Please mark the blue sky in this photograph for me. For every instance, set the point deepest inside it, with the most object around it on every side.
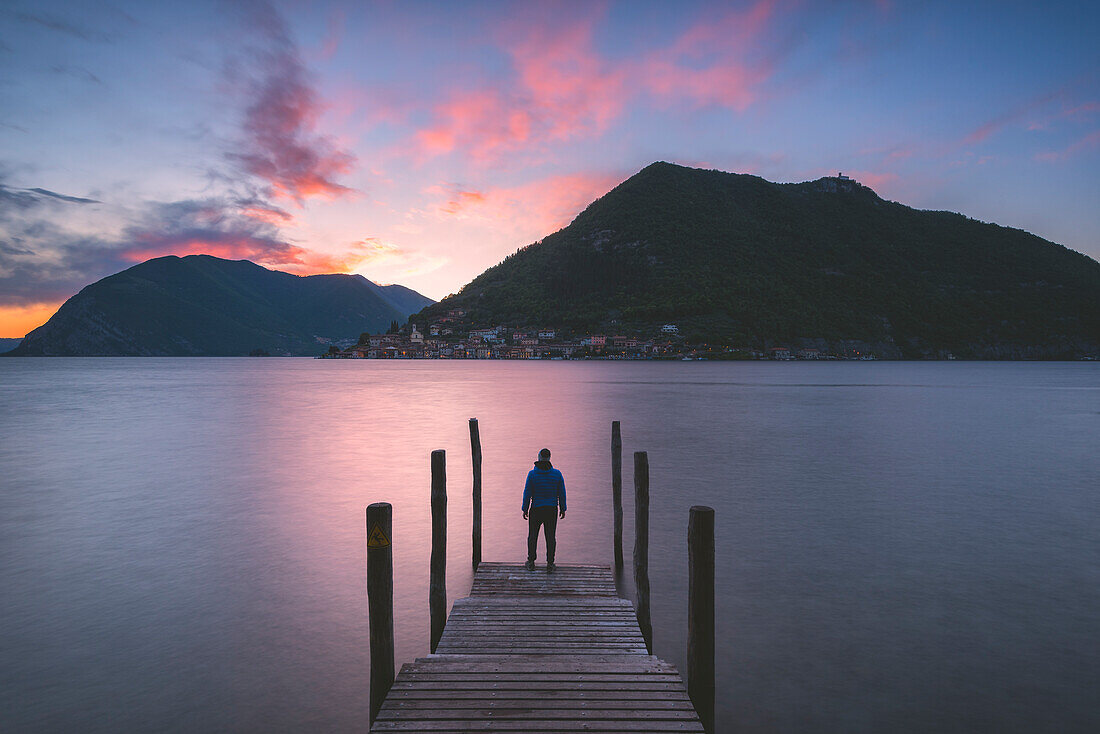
(421, 143)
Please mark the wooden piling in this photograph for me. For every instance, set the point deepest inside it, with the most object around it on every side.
(641, 545)
(437, 587)
(700, 651)
(475, 451)
(380, 602)
(617, 492)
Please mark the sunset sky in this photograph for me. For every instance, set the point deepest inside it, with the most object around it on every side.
(420, 143)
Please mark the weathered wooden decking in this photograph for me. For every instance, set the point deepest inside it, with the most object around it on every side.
(536, 652)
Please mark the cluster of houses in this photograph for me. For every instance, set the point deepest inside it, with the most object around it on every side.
(448, 338)
(441, 342)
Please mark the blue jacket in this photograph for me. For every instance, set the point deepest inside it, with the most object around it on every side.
(545, 487)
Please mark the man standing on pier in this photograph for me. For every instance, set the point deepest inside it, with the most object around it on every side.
(543, 497)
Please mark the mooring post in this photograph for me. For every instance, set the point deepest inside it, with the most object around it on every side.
(617, 491)
(700, 652)
(475, 450)
(437, 587)
(641, 545)
(380, 602)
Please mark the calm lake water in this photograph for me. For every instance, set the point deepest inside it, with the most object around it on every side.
(901, 547)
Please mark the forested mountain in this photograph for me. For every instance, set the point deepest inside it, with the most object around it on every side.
(737, 259)
(203, 305)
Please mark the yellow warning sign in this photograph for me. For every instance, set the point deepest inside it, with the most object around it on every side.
(377, 538)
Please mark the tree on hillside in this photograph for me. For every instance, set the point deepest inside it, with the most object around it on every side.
(395, 328)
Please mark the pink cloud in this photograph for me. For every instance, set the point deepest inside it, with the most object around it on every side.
(276, 255)
(462, 200)
(1088, 143)
(333, 34)
(539, 207)
(877, 181)
(710, 64)
(483, 122)
(574, 90)
(267, 214)
(1078, 112)
(563, 88)
(232, 230)
(982, 132)
(280, 144)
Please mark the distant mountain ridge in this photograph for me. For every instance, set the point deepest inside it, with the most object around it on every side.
(405, 300)
(735, 259)
(200, 305)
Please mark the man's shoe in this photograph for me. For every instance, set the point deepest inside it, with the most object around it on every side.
(530, 565)
(550, 567)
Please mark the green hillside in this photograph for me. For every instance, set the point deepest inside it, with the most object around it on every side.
(739, 260)
(203, 305)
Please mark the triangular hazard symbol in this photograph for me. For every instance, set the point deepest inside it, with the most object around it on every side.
(377, 538)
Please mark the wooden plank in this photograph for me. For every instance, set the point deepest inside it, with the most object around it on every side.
(533, 708)
(539, 726)
(425, 694)
(534, 705)
(537, 663)
(554, 687)
(537, 652)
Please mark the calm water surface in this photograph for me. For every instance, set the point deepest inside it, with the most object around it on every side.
(901, 547)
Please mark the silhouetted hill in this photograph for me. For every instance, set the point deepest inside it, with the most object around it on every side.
(7, 345)
(735, 259)
(203, 305)
(405, 300)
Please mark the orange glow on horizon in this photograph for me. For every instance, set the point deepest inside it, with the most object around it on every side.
(18, 321)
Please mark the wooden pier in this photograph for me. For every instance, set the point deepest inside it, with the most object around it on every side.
(529, 651)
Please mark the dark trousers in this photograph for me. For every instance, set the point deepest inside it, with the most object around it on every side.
(547, 517)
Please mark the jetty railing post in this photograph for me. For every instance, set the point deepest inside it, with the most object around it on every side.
(617, 491)
(641, 545)
(475, 450)
(437, 587)
(380, 602)
(700, 652)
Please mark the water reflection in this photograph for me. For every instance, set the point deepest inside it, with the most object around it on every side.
(899, 546)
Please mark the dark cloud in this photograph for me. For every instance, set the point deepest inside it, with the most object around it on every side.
(19, 199)
(63, 197)
(233, 229)
(10, 249)
(280, 145)
(63, 26)
(76, 71)
(42, 262)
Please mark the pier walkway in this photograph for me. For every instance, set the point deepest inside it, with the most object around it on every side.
(529, 651)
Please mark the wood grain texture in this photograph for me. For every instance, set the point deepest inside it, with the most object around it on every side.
(617, 493)
(380, 602)
(641, 544)
(437, 582)
(475, 455)
(529, 651)
(700, 652)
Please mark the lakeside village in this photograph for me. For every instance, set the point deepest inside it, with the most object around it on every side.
(445, 341)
